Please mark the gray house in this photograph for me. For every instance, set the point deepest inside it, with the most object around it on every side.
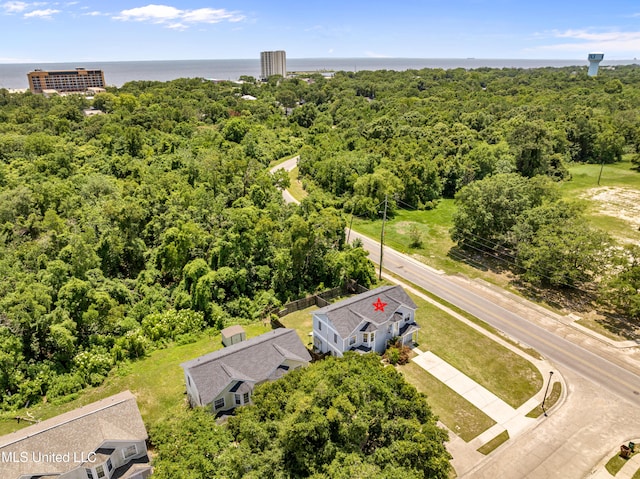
(105, 439)
(225, 379)
(365, 322)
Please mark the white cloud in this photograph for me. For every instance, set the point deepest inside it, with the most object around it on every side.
(15, 7)
(583, 40)
(178, 19)
(93, 14)
(41, 13)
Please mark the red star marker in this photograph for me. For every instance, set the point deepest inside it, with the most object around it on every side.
(379, 305)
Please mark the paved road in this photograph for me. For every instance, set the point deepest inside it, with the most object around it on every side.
(288, 165)
(601, 404)
(602, 372)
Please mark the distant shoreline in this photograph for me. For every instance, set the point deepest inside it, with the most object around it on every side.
(14, 75)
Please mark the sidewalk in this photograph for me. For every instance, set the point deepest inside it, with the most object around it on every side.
(465, 454)
(507, 418)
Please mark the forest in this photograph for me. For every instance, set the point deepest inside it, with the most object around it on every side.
(157, 218)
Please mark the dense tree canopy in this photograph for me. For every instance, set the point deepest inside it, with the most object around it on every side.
(340, 418)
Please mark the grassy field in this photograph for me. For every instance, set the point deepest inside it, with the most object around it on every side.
(434, 225)
(455, 412)
(296, 189)
(157, 382)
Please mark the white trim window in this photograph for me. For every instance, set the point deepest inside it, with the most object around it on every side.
(245, 398)
(218, 404)
(129, 451)
(238, 399)
(89, 473)
(100, 471)
(352, 340)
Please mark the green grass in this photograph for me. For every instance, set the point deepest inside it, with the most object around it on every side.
(433, 226)
(494, 443)
(552, 399)
(614, 464)
(506, 374)
(296, 189)
(301, 321)
(455, 412)
(585, 176)
(636, 475)
(157, 381)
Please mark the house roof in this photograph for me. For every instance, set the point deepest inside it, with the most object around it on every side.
(81, 431)
(254, 360)
(376, 306)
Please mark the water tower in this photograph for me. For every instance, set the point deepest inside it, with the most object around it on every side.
(594, 62)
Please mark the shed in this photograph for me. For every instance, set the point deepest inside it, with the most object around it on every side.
(233, 334)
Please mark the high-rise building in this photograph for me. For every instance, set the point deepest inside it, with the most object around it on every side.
(273, 63)
(78, 80)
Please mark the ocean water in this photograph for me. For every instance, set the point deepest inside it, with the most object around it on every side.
(14, 75)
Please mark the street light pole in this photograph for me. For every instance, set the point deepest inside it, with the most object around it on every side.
(545, 392)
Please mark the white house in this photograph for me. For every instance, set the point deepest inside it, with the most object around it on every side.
(365, 322)
(105, 439)
(225, 379)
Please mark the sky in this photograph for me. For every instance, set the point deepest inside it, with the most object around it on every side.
(90, 30)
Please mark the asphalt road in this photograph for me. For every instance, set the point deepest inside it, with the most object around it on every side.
(599, 370)
(560, 351)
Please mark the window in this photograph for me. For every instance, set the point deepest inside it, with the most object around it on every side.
(109, 465)
(89, 473)
(238, 398)
(218, 404)
(335, 338)
(352, 340)
(245, 397)
(129, 451)
(100, 471)
(372, 337)
(365, 338)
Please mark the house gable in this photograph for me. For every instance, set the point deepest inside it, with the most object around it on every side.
(210, 378)
(95, 435)
(364, 322)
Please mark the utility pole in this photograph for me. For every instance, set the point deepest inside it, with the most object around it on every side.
(600, 175)
(384, 219)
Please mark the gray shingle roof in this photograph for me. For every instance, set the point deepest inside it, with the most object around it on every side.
(346, 315)
(82, 430)
(253, 360)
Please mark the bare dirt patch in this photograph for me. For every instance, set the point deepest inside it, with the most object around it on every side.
(622, 203)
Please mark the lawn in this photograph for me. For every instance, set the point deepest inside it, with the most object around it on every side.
(301, 321)
(455, 412)
(506, 374)
(157, 381)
